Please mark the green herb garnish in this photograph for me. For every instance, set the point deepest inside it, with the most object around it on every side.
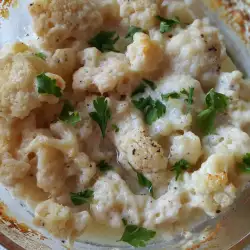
(102, 113)
(189, 94)
(173, 95)
(137, 236)
(167, 25)
(151, 84)
(131, 31)
(245, 165)
(47, 85)
(82, 197)
(215, 102)
(179, 167)
(69, 115)
(105, 41)
(124, 221)
(115, 128)
(41, 55)
(143, 85)
(144, 182)
(104, 166)
(139, 89)
(151, 109)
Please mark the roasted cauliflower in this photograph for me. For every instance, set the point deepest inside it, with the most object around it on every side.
(60, 22)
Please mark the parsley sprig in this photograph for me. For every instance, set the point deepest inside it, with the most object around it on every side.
(180, 167)
(115, 128)
(245, 165)
(105, 41)
(69, 115)
(82, 197)
(136, 236)
(102, 114)
(175, 95)
(104, 166)
(47, 85)
(166, 25)
(131, 31)
(216, 103)
(151, 109)
(41, 55)
(143, 85)
(189, 95)
(143, 181)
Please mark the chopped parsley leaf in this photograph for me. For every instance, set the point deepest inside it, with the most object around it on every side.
(104, 166)
(137, 236)
(206, 120)
(179, 167)
(115, 128)
(105, 41)
(189, 95)
(149, 83)
(215, 102)
(151, 109)
(82, 197)
(124, 221)
(166, 25)
(173, 95)
(102, 113)
(41, 55)
(139, 89)
(144, 182)
(245, 165)
(131, 31)
(69, 115)
(47, 85)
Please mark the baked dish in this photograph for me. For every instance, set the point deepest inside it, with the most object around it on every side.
(124, 114)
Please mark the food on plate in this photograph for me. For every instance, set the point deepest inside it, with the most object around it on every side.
(122, 114)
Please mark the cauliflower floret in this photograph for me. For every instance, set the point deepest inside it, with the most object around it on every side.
(86, 169)
(110, 71)
(18, 82)
(50, 174)
(140, 13)
(140, 151)
(177, 8)
(12, 170)
(61, 22)
(144, 54)
(67, 143)
(63, 63)
(198, 51)
(164, 209)
(6, 134)
(60, 220)
(176, 117)
(210, 187)
(109, 9)
(113, 201)
(233, 86)
(187, 147)
(227, 140)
